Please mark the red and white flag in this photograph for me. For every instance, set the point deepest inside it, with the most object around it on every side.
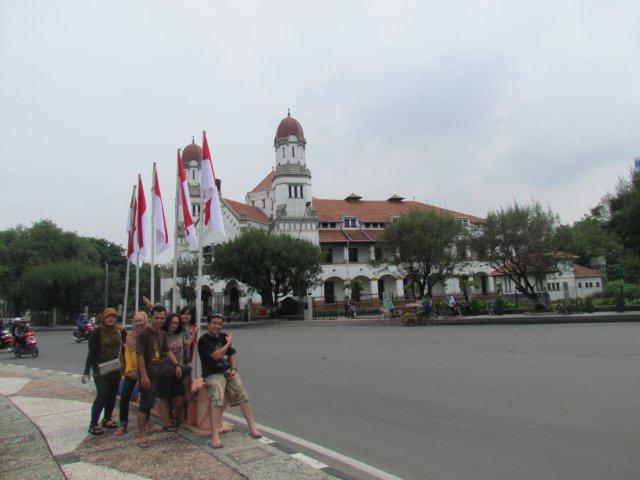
(142, 224)
(132, 244)
(212, 215)
(159, 221)
(185, 203)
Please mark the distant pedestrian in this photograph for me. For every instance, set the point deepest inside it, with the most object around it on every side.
(154, 360)
(130, 370)
(426, 305)
(172, 389)
(220, 373)
(104, 360)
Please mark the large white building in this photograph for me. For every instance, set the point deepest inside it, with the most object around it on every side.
(346, 229)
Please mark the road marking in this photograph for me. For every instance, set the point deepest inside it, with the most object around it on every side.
(309, 461)
(352, 462)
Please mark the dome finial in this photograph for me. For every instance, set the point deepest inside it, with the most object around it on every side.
(288, 112)
(193, 139)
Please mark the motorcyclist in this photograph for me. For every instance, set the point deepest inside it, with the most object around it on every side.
(81, 322)
(21, 328)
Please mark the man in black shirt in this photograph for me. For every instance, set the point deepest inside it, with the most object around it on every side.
(218, 359)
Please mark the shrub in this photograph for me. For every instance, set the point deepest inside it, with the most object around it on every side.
(477, 306)
(588, 305)
(501, 304)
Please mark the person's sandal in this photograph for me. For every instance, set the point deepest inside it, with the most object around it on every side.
(170, 428)
(121, 432)
(109, 424)
(95, 430)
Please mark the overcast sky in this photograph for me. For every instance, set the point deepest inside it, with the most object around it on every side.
(466, 105)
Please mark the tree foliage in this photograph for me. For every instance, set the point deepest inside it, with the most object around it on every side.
(60, 258)
(519, 242)
(272, 265)
(420, 244)
(624, 210)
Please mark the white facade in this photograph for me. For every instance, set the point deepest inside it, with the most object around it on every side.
(283, 203)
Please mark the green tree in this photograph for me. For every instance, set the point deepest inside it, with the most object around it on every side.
(519, 241)
(65, 284)
(420, 244)
(624, 210)
(272, 265)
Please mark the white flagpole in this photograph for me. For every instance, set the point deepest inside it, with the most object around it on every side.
(196, 360)
(153, 235)
(138, 280)
(126, 275)
(174, 296)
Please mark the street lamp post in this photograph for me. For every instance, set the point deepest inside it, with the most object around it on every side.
(106, 284)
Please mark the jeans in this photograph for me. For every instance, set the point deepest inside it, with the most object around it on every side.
(128, 384)
(107, 388)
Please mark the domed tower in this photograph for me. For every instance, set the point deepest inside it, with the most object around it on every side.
(292, 181)
(192, 159)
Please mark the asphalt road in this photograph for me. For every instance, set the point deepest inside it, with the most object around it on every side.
(473, 402)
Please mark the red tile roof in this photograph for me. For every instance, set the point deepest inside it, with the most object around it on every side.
(265, 183)
(331, 236)
(375, 210)
(580, 271)
(253, 214)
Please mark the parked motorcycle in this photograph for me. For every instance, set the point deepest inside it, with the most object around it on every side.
(27, 347)
(80, 335)
(6, 340)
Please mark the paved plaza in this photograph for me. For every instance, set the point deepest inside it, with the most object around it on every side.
(476, 402)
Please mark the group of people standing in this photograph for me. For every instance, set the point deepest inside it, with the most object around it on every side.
(156, 355)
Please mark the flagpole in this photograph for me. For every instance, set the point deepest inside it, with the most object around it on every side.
(196, 364)
(153, 235)
(137, 280)
(126, 275)
(174, 296)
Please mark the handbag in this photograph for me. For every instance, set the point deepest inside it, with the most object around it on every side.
(112, 366)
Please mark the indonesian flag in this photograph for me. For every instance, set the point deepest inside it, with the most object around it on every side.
(160, 223)
(185, 203)
(132, 245)
(212, 212)
(142, 223)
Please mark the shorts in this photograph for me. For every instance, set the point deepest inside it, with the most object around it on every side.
(219, 387)
(148, 395)
(170, 388)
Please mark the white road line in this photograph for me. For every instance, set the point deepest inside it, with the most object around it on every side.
(352, 462)
(309, 461)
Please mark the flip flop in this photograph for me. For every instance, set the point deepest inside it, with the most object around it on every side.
(144, 444)
(216, 446)
(170, 428)
(109, 424)
(255, 435)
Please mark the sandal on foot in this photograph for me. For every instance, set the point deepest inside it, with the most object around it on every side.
(120, 432)
(255, 435)
(95, 430)
(109, 424)
(220, 445)
(144, 444)
(170, 428)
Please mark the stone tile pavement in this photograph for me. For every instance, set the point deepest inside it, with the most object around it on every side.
(45, 416)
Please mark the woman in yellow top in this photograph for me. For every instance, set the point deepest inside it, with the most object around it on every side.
(130, 372)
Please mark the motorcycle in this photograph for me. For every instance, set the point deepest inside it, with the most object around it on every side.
(27, 347)
(79, 335)
(6, 340)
